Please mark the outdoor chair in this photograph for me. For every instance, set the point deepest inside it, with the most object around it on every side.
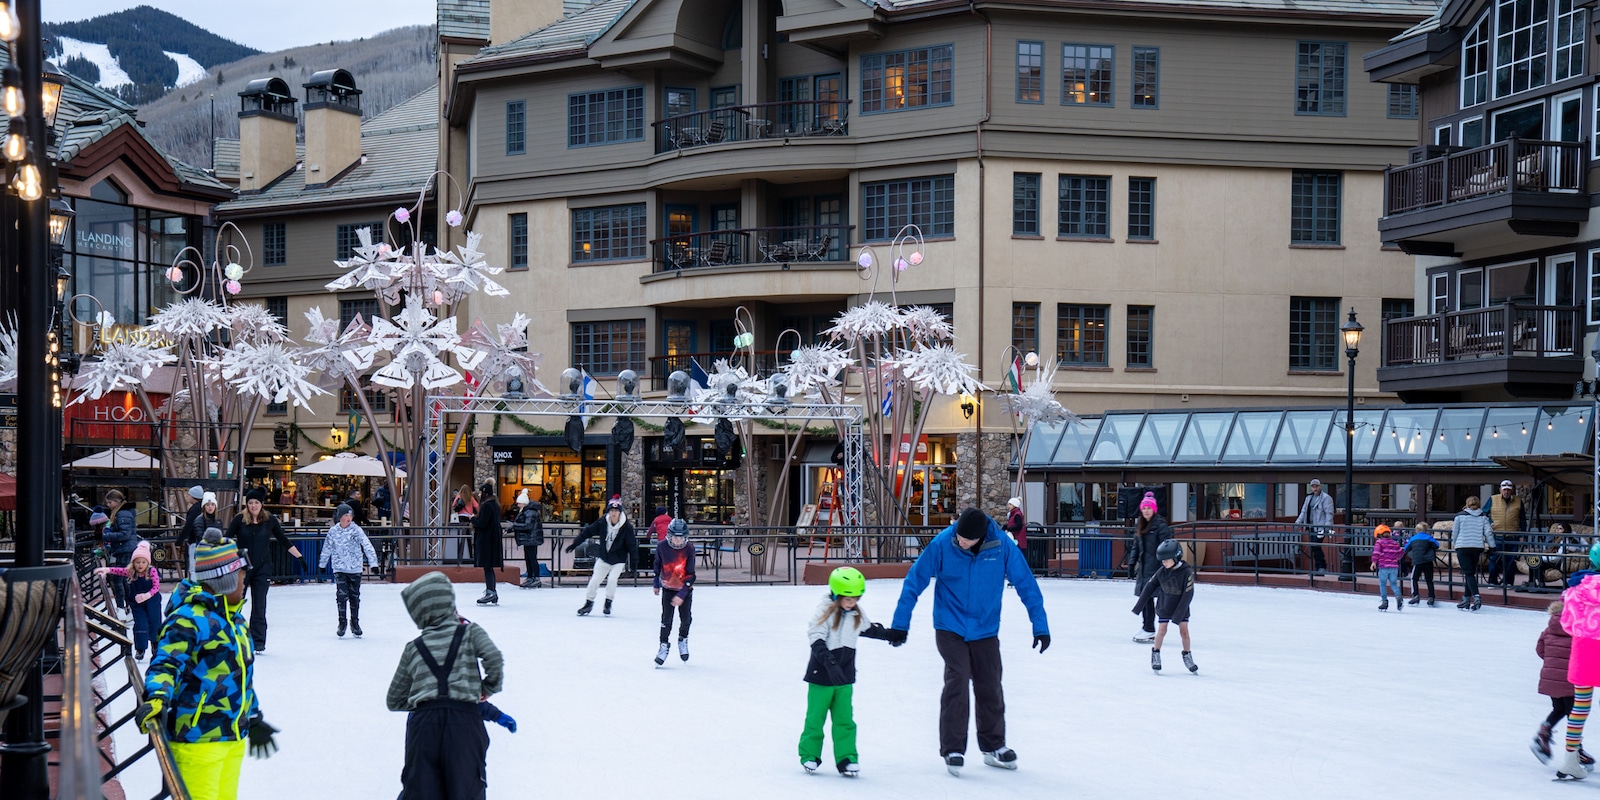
(680, 136)
(714, 132)
(834, 125)
(717, 254)
(679, 255)
(818, 252)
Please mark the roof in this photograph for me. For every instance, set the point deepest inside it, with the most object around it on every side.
(573, 33)
(464, 19)
(1402, 8)
(401, 148)
(225, 158)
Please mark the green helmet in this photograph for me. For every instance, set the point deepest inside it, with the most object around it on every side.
(847, 582)
(1594, 555)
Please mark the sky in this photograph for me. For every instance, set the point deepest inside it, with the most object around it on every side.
(270, 26)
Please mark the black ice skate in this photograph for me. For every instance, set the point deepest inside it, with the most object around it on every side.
(1541, 743)
(662, 653)
(1417, 598)
(849, 769)
(607, 611)
(1004, 758)
(1188, 661)
(588, 605)
(1383, 605)
(1466, 601)
(1477, 602)
(355, 626)
(1155, 659)
(954, 762)
(490, 598)
(683, 649)
(342, 627)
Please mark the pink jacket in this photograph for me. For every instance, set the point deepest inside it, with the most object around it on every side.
(1581, 619)
(1386, 553)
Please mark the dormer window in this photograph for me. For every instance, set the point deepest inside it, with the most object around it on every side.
(1521, 45)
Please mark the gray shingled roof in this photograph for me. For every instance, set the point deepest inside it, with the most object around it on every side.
(225, 157)
(401, 146)
(572, 33)
(464, 19)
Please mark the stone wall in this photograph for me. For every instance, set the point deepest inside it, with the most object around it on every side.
(742, 502)
(631, 481)
(995, 466)
(482, 462)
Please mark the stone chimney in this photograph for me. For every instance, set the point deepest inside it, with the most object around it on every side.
(266, 133)
(510, 19)
(333, 126)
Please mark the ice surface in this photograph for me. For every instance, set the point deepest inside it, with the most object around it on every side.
(189, 70)
(111, 74)
(1300, 695)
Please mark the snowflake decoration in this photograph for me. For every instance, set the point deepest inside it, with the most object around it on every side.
(938, 368)
(341, 356)
(872, 318)
(120, 366)
(1038, 403)
(465, 271)
(416, 340)
(253, 324)
(8, 354)
(502, 353)
(748, 391)
(374, 267)
(189, 318)
(927, 324)
(271, 371)
(815, 366)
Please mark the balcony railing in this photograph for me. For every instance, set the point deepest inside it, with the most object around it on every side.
(782, 120)
(1513, 165)
(782, 245)
(766, 363)
(1504, 330)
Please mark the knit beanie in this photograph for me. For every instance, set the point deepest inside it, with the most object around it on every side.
(98, 516)
(210, 498)
(197, 492)
(256, 494)
(216, 556)
(1149, 502)
(141, 550)
(972, 524)
(338, 513)
(522, 497)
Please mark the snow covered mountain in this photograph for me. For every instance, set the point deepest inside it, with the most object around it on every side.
(140, 53)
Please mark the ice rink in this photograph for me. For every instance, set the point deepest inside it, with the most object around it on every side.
(1299, 695)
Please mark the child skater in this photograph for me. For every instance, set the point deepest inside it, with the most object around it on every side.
(1420, 548)
(832, 671)
(1555, 650)
(144, 585)
(675, 573)
(1580, 617)
(1386, 554)
(1173, 589)
(345, 545)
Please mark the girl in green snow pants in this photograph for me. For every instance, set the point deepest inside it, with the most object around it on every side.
(832, 671)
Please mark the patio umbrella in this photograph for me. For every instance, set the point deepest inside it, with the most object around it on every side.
(117, 458)
(349, 464)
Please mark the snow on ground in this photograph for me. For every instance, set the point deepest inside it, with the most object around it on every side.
(1300, 695)
(111, 74)
(189, 70)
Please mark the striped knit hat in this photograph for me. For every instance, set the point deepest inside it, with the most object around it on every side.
(216, 557)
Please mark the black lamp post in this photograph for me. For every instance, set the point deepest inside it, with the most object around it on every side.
(1351, 331)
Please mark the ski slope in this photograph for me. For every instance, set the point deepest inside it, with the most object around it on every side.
(111, 73)
(189, 70)
(1299, 695)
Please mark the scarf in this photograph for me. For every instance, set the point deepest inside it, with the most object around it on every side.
(611, 530)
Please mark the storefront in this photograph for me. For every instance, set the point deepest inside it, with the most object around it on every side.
(932, 473)
(694, 483)
(572, 487)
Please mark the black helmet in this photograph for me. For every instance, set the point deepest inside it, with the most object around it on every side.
(1169, 549)
(677, 527)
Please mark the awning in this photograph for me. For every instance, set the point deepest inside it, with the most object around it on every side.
(1570, 469)
(116, 458)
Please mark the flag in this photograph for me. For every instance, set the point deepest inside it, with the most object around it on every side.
(355, 425)
(588, 394)
(472, 383)
(1014, 374)
(698, 375)
(888, 402)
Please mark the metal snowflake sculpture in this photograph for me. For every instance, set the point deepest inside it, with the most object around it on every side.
(731, 390)
(502, 354)
(121, 366)
(872, 318)
(339, 357)
(374, 267)
(271, 371)
(8, 354)
(939, 368)
(926, 324)
(189, 320)
(416, 340)
(254, 324)
(465, 271)
(812, 368)
(1038, 404)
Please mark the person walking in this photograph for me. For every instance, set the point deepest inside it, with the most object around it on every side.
(1317, 513)
(971, 560)
(121, 536)
(660, 523)
(1016, 523)
(1504, 511)
(343, 549)
(188, 534)
(674, 569)
(528, 529)
(256, 531)
(1421, 549)
(1148, 534)
(195, 531)
(619, 550)
(1470, 536)
(831, 673)
(488, 542)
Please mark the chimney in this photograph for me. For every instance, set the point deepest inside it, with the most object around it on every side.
(510, 19)
(333, 126)
(266, 133)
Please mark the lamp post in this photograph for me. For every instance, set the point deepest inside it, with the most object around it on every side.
(1351, 331)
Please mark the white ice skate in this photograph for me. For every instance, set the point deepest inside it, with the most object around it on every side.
(1144, 636)
(954, 762)
(810, 765)
(1004, 758)
(1568, 767)
(662, 653)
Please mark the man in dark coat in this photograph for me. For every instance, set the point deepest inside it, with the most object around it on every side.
(487, 541)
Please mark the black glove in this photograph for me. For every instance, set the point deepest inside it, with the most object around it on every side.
(261, 744)
(876, 631)
(1042, 641)
(894, 636)
(572, 547)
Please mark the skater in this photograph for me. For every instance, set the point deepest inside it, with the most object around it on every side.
(190, 532)
(972, 560)
(1580, 618)
(488, 541)
(660, 522)
(1148, 535)
(1317, 513)
(1470, 536)
(831, 673)
(144, 584)
(256, 531)
(200, 685)
(528, 529)
(1386, 554)
(344, 548)
(121, 535)
(1016, 523)
(619, 550)
(1171, 589)
(439, 682)
(1555, 650)
(1421, 548)
(674, 570)
(195, 532)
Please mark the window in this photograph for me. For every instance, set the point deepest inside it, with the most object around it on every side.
(1472, 133)
(928, 203)
(1319, 78)
(1594, 287)
(1398, 308)
(1030, 72)
(1141, 339)
(274, 244)
(1146, 77)
(907, 79)
(1025, 327)
(608, 233)
(1081, 335)
(348, 401)
(724, 96)
(1402, 101)
(278, 307)
(1571, 23)
(347, 240)
(1084, 206)
(516, 128)
(1313, 334)
(1025, 204)
(366, 308)
(1142, 208)
(607, 348)
(1522, 45)
(1086, 71)
(605, 117)
(517, 226)
(1475, 64)
(679, 101)
(947, 309)
(1314, 207)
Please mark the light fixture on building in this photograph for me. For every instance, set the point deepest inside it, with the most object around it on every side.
(628, 386)
(969, 405)
(336, 435)
(571, 384)
(514, 386)
(63, 281)
(50, 94)
(778, 393)
(61, 215)
(678, 387)
(28, 184)
(1351, 331)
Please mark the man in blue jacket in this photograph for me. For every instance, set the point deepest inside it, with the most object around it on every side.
(971, 560)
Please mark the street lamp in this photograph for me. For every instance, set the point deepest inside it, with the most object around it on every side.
(1351, 331)
(969, 405)
(61, 215)
(50, 95)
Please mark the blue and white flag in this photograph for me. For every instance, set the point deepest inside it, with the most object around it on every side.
(588, 394)
(888, 402)
(698, 375)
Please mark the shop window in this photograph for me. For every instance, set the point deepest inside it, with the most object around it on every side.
(1211, 501)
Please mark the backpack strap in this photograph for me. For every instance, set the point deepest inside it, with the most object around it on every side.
(442, 673)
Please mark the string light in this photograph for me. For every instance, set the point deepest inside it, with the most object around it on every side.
(1469, 436)
(16, 147)
(1497, 432)
(11, 96)
(1524, 429)
(28, 185)
(10, 26)
(1550, 425)
(1441, 436)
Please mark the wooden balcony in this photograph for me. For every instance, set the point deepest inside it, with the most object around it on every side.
(1505, 350)
(1478, 197)
(790, 119)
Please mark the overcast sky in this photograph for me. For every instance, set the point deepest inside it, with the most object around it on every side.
(270, 25)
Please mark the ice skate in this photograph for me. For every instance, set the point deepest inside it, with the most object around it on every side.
(607, 611)
(1399, 603)
(683, 649)
(1417, 598)
(1144, 636)
(1004, 758)
(1466, 600)
(490, 598)
(1568, 767)
(1383, 605)
(588, 605)
(1585, 759)
(1188, 661)
(954, 762)
(810, 765)
(1430, 602)
(1541, 743)
(662, 653)
(1155, 659)
(355, 626)
(1477, 602)
(849, 769)
(529, 583)
(342, 627)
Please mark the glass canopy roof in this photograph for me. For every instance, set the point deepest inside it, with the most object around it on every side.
(1398, 436)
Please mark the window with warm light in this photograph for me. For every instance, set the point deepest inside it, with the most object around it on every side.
(1086, 74)
(907, 79)
(929, 203)
(608, 233)
(1081, 335)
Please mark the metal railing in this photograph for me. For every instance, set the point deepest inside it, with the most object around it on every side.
(778, 120)
(788, 244)
(1512, 165)
(1503, 330)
